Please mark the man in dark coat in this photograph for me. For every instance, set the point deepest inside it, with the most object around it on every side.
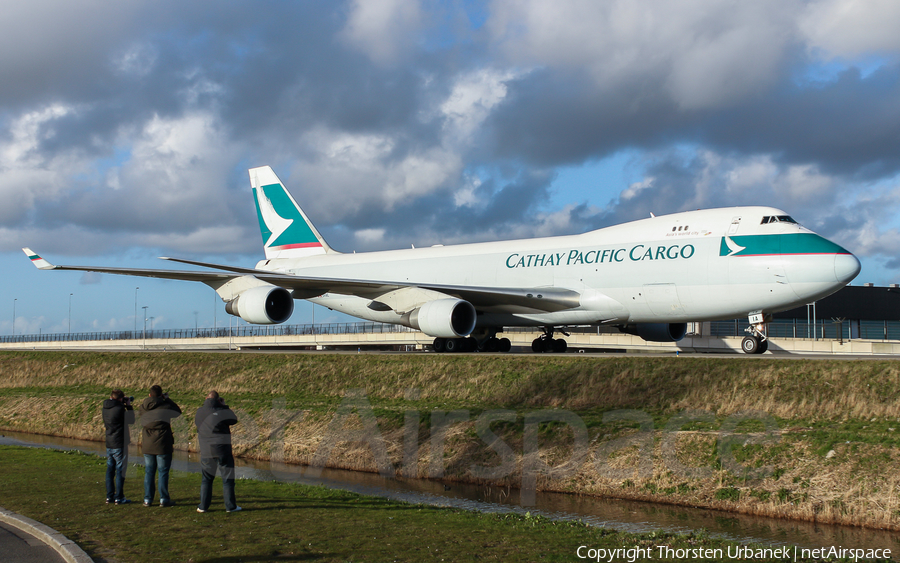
(158, 443)
(117, 415)
(214, 420)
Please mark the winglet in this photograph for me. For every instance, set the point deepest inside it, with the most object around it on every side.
(37, 260)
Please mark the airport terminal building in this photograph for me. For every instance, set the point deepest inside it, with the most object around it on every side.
(866, 311)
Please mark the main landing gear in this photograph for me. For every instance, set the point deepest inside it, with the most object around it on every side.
(756, 342)
(546, 342)
(484, 341)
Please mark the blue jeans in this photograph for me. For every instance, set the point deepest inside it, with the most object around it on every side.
(208, 466)
(152, 464)
(116, 460)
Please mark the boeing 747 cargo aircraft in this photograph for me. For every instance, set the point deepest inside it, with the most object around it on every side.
(647, 277)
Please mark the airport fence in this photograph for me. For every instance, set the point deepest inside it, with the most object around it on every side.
(220, 332)
(778, 328)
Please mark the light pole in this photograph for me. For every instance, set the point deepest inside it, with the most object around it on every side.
(135, 308)
(70, 313)
(14, 316)
(145, 325)
(195, 321)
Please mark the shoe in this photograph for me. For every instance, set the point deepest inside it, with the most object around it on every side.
(109, 501)
(167, 504)
(123, 501)
(146, 503)
(200, 510)
(236, 509)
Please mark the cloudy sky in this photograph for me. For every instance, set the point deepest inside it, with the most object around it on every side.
(126, 130)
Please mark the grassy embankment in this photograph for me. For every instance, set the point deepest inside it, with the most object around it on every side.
(834, 457)
(282, 522)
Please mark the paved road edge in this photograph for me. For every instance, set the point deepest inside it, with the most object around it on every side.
(67, 548)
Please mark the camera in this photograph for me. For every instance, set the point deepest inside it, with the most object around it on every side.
(129, 400)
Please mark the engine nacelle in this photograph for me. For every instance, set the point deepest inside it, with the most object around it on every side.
(445, 318)
(657, 332)
(263, 305)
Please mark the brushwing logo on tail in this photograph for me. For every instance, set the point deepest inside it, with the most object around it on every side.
(282, 226)
(275, 223)
(286, 231)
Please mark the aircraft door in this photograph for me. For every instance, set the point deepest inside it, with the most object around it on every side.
(662, 299)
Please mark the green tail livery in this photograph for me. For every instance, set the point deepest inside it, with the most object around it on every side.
(286, 231)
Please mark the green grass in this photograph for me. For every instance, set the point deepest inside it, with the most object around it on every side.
(820, 405)
(280, 521)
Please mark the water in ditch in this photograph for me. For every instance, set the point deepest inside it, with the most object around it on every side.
(623, 515)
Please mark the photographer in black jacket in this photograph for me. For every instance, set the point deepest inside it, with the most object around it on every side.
(158, 443)
(117, 415)
(214, 420)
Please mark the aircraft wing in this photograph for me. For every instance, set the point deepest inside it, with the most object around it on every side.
(142, 272)
(507, 300)
(493, 299)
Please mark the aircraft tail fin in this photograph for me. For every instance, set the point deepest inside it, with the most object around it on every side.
(286, 230)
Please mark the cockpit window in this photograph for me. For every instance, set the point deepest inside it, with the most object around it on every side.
(778, 219)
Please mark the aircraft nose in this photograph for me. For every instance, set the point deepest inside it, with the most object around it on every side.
(846, 267)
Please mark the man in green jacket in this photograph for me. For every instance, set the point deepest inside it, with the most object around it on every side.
(158, 443)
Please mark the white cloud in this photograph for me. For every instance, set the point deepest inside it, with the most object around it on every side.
(703, 52)
(28, 174)
(208, 240)
(27, 131)
(350, 172)
(370, 236)
(637, 187)
(850, 28)
(470, 102)
(466, 194)
(384, 30)
(137, 59)
(178, 168)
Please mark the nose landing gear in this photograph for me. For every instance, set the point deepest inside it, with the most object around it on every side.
(756, 342)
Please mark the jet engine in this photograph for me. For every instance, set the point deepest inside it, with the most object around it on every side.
(657, 332)
(262, 305)
(445, 318)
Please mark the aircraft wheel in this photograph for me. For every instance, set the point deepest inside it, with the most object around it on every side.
(452, 345)
(440, 344)
(750, 345)
(492, 345)
(469, 345)
(559, 345)
(763, 346)
(537, 345)
(504, 345)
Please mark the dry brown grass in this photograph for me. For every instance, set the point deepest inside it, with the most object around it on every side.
(59, 393)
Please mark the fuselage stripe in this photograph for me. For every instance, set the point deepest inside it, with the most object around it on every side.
(796, 254)
(297, 245)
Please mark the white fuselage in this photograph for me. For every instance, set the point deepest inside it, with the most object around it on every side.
(674, 268)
